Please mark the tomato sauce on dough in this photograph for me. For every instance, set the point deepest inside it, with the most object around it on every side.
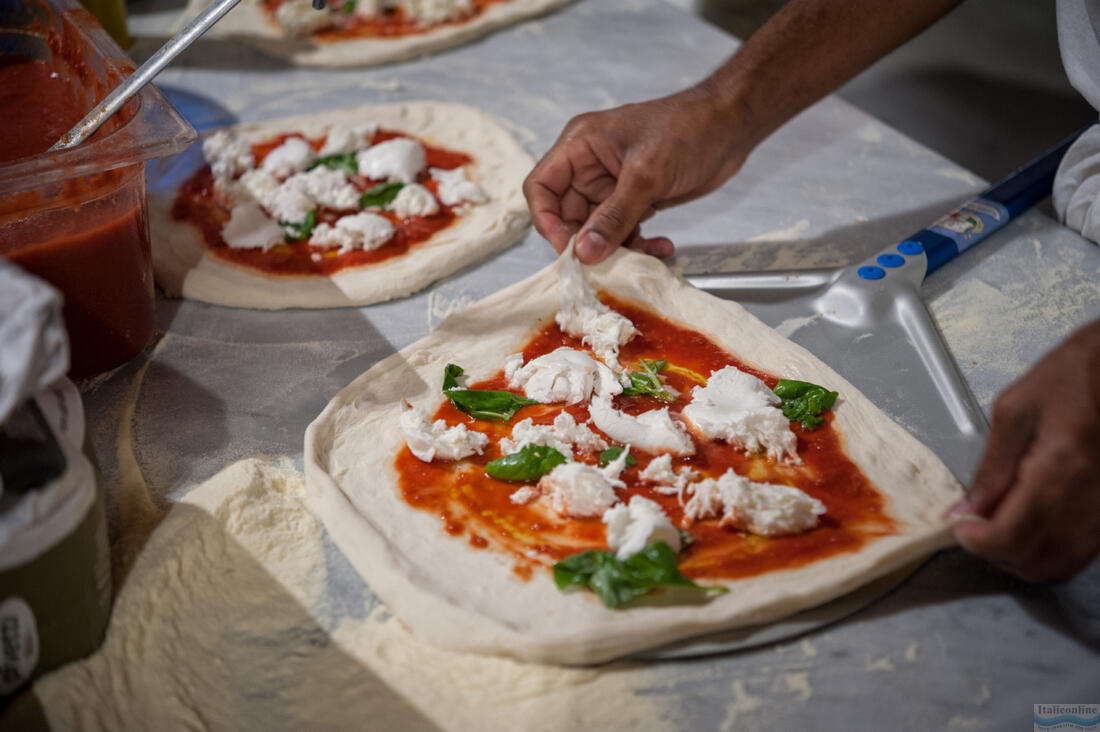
(469, 502)
(392, 24)
(198, 204)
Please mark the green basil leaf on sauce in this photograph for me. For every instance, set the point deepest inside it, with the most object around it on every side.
(616, 582)
(298, 232)
(804, 402)
(481, 403)
(646, 380)
(339, 161)
(348, 7)
(532, 462)
(612, 454)
(380, 195)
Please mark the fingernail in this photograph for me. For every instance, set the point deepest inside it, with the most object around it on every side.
(592, 245)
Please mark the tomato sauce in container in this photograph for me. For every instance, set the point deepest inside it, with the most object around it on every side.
(77, 218)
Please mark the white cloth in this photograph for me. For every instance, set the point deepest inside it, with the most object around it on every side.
(1076, 195)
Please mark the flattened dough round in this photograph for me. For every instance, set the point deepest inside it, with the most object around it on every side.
(469, 600)
(248, 23)
(185, 267)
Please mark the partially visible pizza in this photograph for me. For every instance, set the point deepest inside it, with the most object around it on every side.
(344, 208)
(568, 474)
(363, 32)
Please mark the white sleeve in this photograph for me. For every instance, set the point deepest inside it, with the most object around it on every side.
(1076, 194)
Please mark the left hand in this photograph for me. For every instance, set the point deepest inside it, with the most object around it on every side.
(1034, 506)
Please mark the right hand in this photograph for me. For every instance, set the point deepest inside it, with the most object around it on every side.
(611, 170)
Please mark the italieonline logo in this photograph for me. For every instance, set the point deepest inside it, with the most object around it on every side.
(1067, 716)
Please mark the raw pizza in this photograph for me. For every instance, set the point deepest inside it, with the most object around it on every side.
(363, 32)
(344, 208)
(571, 471)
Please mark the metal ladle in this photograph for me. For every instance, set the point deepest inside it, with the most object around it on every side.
(147, 71)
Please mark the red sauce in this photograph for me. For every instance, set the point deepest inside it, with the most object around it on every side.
(393, 24)
(465, 498)
(29, 129)
(198, 204)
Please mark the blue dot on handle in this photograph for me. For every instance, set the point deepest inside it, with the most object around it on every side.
(890, 260)
(871, 273)
(910, 248)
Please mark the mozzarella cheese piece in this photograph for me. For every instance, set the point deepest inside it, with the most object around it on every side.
(632, 527)
(359, 231)
(344, 139)
(524, 495)
(582, 315)
(428, 441)
(652, 431)
(455, 187)
(257, 185)
(433, 12)
(740, 409)
(299, 18)
(227, 155)
(289, 205)
(666, 480)
(563, 375)
(564, 435)
(766, 509)
(294, 155)
(580, 490)
(399, 159)
(250, 228)
(414, 200)
(327, 187)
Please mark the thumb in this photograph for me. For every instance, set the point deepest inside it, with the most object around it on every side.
(615, 219)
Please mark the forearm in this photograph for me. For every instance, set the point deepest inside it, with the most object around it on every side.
(808, 50)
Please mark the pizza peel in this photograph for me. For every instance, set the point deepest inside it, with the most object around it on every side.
(868, 322)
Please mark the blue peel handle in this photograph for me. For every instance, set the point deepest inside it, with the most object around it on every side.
(979, 217)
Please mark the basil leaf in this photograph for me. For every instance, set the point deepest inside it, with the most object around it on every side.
(338, 161)
(529, 463)
(803, 401)
(646, 381)
(380, 195)
(349, 7)
(616, 581)
(480, 403)
(612, 454)
(298, 232)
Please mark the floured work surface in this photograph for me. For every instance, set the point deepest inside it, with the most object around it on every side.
(472, 573)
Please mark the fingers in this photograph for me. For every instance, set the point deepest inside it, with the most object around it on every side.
(1011, 432)
(658, 246)
(611, 224)
(544, 189)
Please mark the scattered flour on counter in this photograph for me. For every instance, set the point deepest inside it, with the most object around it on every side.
(960, 721)
(911, 652)
(880, 664)
(215, 628)
(791, 233)
(870, 133)
(799, 684)
(959, 174)
(743, 704)
(984, 695)
(808, 649)
(791, 325)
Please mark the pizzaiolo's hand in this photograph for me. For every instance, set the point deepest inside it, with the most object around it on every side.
(611, 170)
(1034, 506)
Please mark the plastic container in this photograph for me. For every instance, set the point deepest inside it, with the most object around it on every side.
(78, 218)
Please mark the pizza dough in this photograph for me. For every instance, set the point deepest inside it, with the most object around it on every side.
(185, 267)
(250, 24)
(469, 600)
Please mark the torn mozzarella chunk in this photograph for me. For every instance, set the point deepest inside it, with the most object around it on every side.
(564, 435)
(632, 527)
(299, 18)
(369, 8)
(226, 154)
(739, 408)
(344, 139)
(666, 480)
(414, 200)
(257, 185)
(582, 315)
(766, 509)
(359, 231)
(327, 187)
(524, 495)
(289, 204)
(653, 431)
(250, 228)
(579, 490)
(454, 187)
(428, 441)
(399, 159)
(294, 155)
(433, 12)
(563, 375)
